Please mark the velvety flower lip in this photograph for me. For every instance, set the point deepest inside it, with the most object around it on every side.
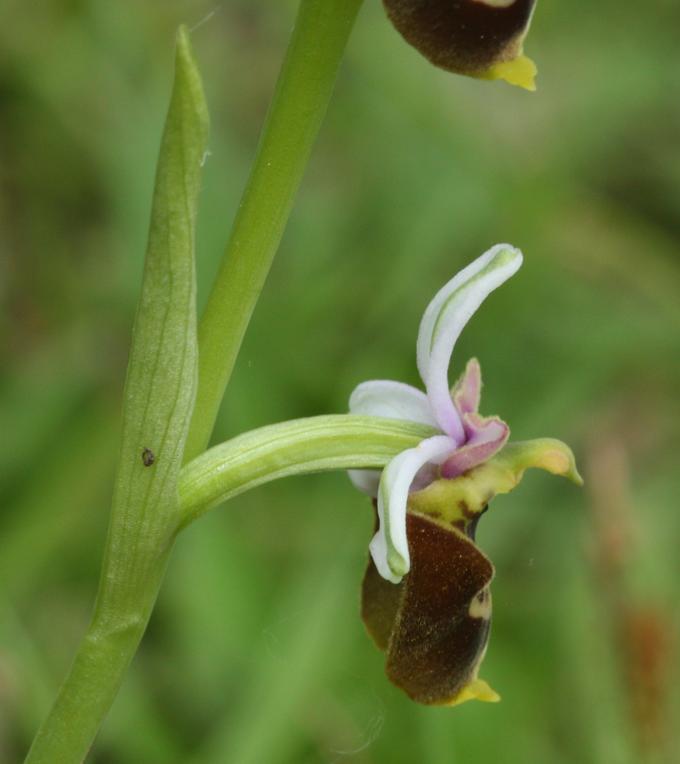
(466, 440)
(434, 625)
(476, 38)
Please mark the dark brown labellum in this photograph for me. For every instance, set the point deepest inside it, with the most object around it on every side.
(434, 625)
(463, 36)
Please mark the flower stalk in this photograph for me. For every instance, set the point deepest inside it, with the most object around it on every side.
(297, 110)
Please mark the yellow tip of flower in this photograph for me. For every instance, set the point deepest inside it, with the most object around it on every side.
(544, 453)
(521, 71)
(561, 463)
(478, 689)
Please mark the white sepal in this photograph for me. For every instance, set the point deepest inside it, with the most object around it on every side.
(394, 400)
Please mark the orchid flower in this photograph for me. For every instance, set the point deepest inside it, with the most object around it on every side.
(466, 439)
(426, 598)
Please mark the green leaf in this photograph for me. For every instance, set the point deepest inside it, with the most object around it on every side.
(159, 398)
(162, 373)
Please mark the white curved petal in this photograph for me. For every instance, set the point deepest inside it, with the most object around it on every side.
(445, 318)
(394, 400)
(389, 547)
(367, 481)
(427, 323)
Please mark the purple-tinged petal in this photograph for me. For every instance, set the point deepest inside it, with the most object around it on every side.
(389, 547)
(467, 391)
(486, 437)
(443, 321)
(393, 400)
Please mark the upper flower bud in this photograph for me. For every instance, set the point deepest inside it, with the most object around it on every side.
(477, 38)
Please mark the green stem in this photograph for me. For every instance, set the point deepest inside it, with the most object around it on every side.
(97, 672)
(302, 94)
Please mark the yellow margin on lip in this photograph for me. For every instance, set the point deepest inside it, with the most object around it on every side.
(478, 689)
(521, 71)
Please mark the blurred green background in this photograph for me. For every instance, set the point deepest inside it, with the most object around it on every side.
(256, 653)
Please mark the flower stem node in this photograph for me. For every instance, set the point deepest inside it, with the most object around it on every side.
(477, 38)
(426, 597)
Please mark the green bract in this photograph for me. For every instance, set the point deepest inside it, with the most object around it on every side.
(158, 402)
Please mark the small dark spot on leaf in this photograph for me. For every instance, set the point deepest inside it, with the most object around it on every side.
(148, 457)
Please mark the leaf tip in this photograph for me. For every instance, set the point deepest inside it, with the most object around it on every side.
(188, 77)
